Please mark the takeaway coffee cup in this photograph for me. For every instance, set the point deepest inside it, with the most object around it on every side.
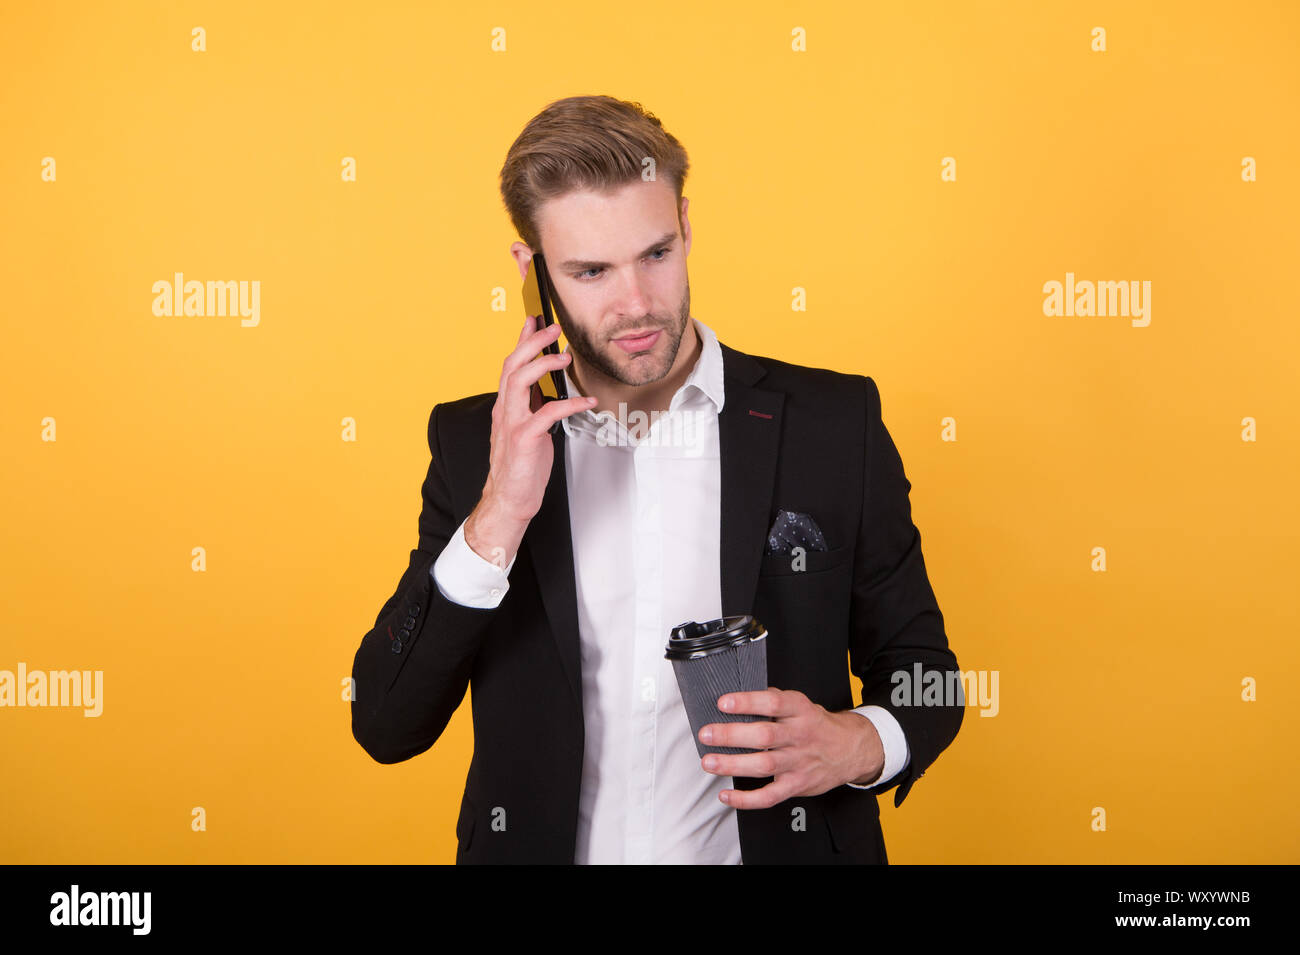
(727, 655)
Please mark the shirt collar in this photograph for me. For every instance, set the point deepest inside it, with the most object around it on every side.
(705, 378)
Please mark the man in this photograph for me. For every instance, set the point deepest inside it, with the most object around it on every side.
(551, 568)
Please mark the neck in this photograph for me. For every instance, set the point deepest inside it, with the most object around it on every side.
(648, 398)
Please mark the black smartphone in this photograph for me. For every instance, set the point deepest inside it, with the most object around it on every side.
(538, 297)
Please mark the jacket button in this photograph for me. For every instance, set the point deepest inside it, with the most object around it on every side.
(397, 646)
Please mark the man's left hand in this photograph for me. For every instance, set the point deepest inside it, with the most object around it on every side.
(807, 749)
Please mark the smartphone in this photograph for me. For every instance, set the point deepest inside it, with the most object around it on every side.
(538, 298)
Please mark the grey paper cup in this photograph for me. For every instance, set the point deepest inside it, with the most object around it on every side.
(727, 655)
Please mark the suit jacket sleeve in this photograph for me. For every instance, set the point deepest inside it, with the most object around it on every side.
(412, 668)
(895, 619)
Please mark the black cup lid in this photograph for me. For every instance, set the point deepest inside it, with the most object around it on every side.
(690, 638)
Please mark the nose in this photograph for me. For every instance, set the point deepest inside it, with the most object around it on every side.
(632, 299)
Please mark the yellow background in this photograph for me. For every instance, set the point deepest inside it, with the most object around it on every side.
(818, 169)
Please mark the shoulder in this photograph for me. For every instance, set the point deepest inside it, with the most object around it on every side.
(461, 421)
(807, 386)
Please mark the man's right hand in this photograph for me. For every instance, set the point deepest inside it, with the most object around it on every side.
(522, 453)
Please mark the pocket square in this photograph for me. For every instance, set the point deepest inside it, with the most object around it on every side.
(793, 529)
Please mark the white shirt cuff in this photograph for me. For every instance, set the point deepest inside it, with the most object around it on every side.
(892, 741)
(463, 577)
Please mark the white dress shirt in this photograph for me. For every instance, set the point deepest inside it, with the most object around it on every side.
(645, 518)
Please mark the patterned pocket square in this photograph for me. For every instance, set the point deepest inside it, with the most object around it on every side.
(792, 529)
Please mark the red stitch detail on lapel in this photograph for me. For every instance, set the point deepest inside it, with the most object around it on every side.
(759, 414)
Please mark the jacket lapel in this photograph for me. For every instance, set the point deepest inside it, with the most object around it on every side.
(749, 428)
(549, 540)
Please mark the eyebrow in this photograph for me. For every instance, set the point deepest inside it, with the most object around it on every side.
(581, 265)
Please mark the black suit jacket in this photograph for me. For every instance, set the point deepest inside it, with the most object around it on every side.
(792, 437)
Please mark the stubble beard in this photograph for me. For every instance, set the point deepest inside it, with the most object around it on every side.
(641, 371)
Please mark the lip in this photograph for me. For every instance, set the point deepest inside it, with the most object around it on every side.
(637, 343)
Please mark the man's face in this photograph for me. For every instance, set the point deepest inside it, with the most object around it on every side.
(618, 264)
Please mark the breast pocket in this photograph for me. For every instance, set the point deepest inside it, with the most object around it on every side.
(806, 613)
(810, 562)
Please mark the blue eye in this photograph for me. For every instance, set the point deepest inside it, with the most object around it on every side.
(586, 276)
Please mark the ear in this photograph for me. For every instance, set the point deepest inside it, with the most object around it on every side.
(523, 255)
(686, 226)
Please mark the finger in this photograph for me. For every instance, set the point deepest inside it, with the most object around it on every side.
(769, 702)
(553, 411)
(531, 370)
(530, 349)
(520, 381)
(529, 325)
(769, 762)
(529, 346)
(760, 734)
(765, 797)
(532, 342)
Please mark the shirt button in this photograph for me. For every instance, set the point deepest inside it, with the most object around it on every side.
(495, 592)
